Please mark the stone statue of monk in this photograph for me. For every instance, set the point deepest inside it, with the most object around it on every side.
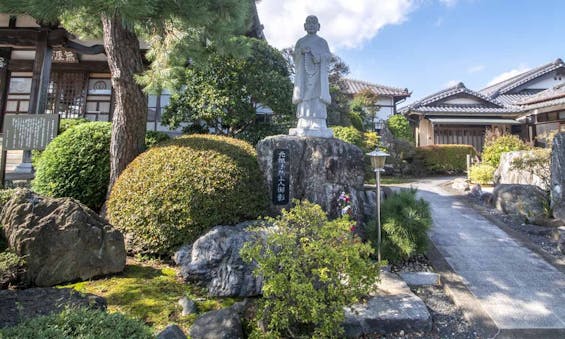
(311, 89)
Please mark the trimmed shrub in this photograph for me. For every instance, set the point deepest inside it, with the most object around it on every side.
(445, 159)
(482, 174)
(356, 120)
(79, 323)
(171, 194)
(65, 124)
(76, 164)
(311, 268)
(405, 221)
(152, 138)
(505, 143)
(349, 134)
(400, 127)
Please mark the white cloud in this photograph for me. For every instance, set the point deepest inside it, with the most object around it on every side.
(475, 69)
(449, 3)
(344, 23)
(507, 75)
(451, 83)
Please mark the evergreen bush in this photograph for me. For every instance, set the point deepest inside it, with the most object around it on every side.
(482, 174)
(152, 138)
(445, 159)
(11, 269)
(400, 128)
(349, 134)
(506, 143)
(405, 221)
(311, 268)
(171, 194)
(76, 164)
(79, 323)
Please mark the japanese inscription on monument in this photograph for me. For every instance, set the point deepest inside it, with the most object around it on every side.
(29, 131)
(281, 177)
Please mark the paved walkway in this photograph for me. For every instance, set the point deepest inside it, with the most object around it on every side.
(516, 287)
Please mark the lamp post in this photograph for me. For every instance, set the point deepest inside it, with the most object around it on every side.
(378, 159)
(379, 125)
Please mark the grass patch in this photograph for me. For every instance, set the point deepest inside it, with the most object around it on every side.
(150, 292)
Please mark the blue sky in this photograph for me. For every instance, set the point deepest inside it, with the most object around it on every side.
(427, 45)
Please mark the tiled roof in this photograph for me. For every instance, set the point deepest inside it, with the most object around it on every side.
(520, 79)
(427, 104)
(549, 94)
(353, 86)
(512, 99)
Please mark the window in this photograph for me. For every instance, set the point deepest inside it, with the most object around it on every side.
(156, 104)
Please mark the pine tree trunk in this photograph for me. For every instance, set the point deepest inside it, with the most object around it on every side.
(130, 108)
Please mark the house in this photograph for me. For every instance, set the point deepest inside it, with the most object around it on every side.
(388, 97)
(458, 115)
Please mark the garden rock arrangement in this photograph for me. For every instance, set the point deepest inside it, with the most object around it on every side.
(526, 200)
(214, 261)
(393, 309)
(318, 170)
(507, 174)
(18, 305)
(558, 177)
(61, 239)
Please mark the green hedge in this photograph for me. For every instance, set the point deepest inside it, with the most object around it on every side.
(171, 194)
(349, 134)
(153, 138)
(445, 159)
(76, 164)
(79, 323)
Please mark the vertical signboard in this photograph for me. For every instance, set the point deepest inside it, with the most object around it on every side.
(26, 132)
(281, 177)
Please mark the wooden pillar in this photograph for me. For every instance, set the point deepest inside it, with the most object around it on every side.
(5, 54)
(41, 75)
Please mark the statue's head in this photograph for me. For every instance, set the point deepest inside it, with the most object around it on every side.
(311, 25)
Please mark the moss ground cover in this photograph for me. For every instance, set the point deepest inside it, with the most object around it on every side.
(150, 292)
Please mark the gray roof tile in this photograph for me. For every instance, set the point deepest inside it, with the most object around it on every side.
(353, 86)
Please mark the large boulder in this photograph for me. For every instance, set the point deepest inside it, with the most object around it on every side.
(316, 169)
(19, 305)
(213, 261)
(528, 201)
(220, 324)
(61, 239)
(558, 177)
(507, 174)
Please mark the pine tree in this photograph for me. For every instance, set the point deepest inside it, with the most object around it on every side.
(177, 31)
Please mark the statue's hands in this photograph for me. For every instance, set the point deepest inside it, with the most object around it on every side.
(306, 50)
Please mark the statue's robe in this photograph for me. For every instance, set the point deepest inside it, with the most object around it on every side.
(311, 91)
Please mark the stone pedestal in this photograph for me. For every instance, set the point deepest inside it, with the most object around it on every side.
(558, 177)
(315, 169)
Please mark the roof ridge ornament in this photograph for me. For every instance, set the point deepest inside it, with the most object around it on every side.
(460, 85)
(558, 61)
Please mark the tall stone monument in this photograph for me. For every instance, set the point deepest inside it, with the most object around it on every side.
(311, 91)
(309, 164)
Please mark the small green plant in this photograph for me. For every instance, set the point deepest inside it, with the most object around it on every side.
(79, 323)
(11, 268)
(482, 174)
(445, 159)
(495, 147)
(405, 221)
(400, 127)
(311, 268)
(171, 194)
(76, 164)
